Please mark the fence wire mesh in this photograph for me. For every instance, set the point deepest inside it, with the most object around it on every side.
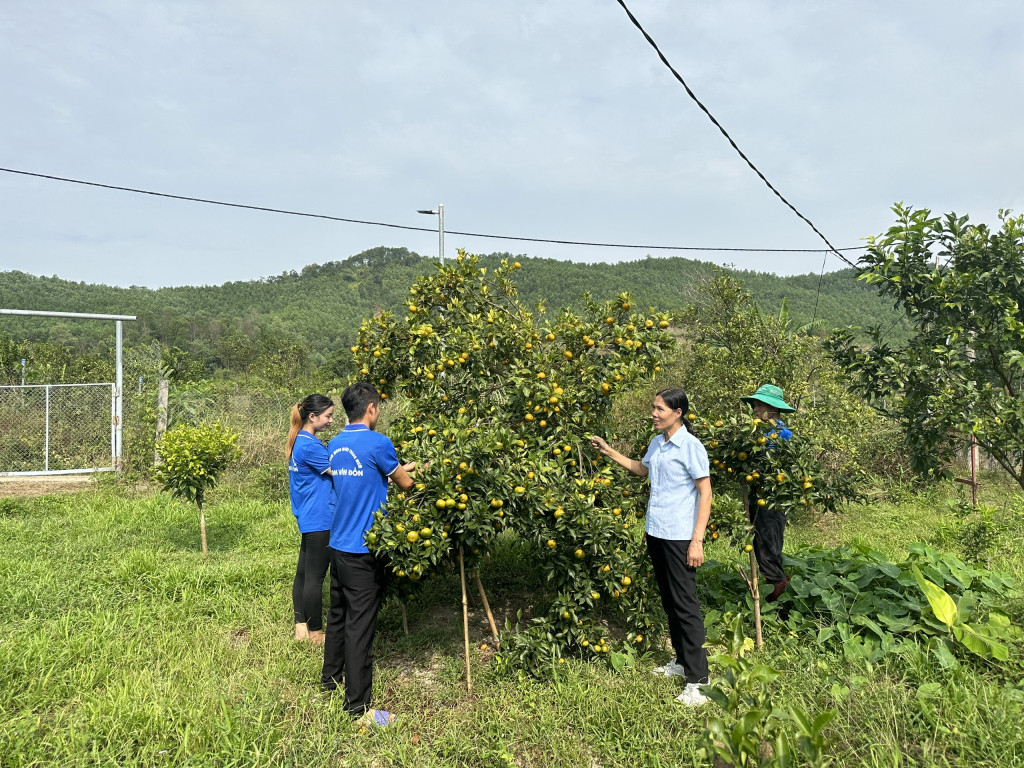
(259, 418)
(56, 427)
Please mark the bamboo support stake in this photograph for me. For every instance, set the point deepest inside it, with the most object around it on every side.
(202, 526)
(755, 592)
(752, 583)
(465, 620)
(487, 607)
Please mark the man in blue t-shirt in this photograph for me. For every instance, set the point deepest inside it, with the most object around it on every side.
(362, 462)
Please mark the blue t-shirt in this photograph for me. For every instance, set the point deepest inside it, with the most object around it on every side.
(310, 484)
(780, 429)
(361, 461)
(673, 467)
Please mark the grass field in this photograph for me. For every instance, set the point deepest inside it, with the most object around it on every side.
(121, 645)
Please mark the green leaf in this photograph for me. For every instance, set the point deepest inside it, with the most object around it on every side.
(864, 621)
(942, 649)
(928, 692)
(977, 644)
(822, 720)
(942, 604)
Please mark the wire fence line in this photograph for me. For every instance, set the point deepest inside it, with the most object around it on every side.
(261, 418)
(68, 428)
(56, 428)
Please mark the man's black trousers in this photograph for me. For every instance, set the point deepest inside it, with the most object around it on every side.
(677, 583)
(308, 586)
(357, 588)
(769, 532)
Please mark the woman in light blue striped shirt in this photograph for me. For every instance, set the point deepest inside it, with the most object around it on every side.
(677, 515)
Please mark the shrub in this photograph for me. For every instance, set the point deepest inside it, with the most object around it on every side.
(193, 458)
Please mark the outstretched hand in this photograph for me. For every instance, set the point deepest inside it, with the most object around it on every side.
(600, 444)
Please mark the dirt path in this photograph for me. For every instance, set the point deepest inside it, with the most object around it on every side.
(42, 485)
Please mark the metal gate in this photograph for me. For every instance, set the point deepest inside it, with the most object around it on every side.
(53, 429)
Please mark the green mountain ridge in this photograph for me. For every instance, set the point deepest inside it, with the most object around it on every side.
(320, 307)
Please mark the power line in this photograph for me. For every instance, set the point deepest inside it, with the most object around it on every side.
(754, 168)
(327, 217)
(725, 133)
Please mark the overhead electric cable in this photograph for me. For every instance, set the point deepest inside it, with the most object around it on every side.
(286, 212)
(754, 168)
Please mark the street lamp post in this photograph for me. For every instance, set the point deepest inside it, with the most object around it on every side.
(440, 228)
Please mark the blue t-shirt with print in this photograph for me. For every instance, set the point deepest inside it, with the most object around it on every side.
(361, 461)
(312, 492)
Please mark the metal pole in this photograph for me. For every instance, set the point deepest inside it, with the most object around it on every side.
(440, 231)
(113, 422)
(46, 438)
(118, 397)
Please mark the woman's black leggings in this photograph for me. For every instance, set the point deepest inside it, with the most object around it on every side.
(307, 589)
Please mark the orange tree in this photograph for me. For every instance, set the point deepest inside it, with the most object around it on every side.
(747, 453)
(501, 401)
(751, 461)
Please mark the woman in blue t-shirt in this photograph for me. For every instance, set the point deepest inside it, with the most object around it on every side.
(677, 515)
(312, 496)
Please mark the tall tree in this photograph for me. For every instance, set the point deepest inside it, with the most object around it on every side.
(961, 372)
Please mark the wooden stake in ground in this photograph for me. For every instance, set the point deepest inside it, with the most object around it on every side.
(161, 417)
(405, 619)
(465, 620)
(487, 608)
(756, 594)
(752, 582)
(202, 522)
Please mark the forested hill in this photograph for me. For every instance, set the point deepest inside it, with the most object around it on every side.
(320, 308)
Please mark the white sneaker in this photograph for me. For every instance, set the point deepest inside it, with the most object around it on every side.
(691, 695)
(672, 669)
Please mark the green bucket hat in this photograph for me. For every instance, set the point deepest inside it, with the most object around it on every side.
(771, 395)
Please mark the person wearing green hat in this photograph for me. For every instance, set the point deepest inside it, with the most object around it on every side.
(768, 404)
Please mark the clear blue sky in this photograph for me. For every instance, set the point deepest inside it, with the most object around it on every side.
(523, 117)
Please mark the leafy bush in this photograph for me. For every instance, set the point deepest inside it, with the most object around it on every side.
(192, 460)
(729, 347)
(961, 371)
(870, 605)
(752, 730)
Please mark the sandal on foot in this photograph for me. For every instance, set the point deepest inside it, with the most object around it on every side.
(377, 718)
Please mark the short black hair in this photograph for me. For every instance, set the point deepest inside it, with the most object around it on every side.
(356, 399)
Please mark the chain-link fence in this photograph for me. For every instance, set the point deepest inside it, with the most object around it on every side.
(259, 417)
(56, 428)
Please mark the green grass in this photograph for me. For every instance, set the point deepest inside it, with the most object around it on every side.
(120, 644)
